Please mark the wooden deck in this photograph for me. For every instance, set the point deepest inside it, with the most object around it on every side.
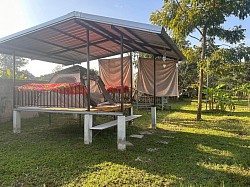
(109, 110)
(101, 110)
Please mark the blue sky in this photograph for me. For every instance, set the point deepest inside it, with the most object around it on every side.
(16, 15)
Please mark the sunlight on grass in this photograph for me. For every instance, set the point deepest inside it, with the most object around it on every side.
(194, 130)
(226, 168)
(222, 124)
(211, 152)
(111, 174)
(244, 146)
(208, 149)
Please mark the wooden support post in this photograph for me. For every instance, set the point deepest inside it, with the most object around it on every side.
(153, 116)
(14, 80)
(49, 119)
(88, 70)
(131, 79)
(80, 120)
(154, 82)
(121, 133)
(131, 113)
(153, 109)
(88, 121)
(16, 121)
(162, 103)
(122, 77)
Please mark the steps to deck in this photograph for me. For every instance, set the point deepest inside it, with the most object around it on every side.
(113, 123)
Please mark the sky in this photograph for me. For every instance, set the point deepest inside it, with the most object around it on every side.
(17, 15)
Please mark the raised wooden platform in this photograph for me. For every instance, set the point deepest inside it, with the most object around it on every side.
(109, 110)
(100, 110)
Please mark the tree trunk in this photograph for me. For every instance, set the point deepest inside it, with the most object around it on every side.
(200, 95)
(212, 101)
(203, 53)
(248, 100)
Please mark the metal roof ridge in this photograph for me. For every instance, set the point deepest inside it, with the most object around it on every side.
(89, 17)
(118, 22)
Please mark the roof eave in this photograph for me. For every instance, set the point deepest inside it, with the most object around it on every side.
(175, 48)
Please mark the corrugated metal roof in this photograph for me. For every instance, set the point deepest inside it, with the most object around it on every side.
(63, 40)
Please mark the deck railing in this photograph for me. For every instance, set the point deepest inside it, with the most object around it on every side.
(53, 98)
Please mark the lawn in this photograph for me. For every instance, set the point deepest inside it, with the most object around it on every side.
(211, 152)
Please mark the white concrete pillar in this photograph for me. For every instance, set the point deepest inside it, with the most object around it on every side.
(121, 133)
(75, 116)
(131, 111)
(153, 116)
(88, 122)
(16, 121)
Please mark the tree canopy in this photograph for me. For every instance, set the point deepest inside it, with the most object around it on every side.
(203, 21)
(6, 67)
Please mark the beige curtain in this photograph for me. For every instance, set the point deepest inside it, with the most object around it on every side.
(166, 77)
(110, 71)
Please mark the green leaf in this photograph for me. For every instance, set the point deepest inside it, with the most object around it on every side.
(9, 73)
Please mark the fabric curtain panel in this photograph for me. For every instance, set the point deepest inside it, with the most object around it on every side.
(166, 77)
(110, 71)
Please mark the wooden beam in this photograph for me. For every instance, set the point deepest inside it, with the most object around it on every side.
(114, 38)
(131, 40)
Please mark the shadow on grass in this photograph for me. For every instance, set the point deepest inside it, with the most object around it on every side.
(208, 113)
(55, 155)
(226, 124)
(241, 114)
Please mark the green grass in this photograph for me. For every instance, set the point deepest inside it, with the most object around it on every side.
(211, 152)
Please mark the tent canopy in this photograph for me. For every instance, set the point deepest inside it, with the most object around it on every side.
(63, 40)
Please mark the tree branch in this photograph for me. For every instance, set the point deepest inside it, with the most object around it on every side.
(178, 3)
(194, 37)
(210, 44)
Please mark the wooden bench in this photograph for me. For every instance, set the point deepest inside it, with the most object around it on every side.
(113, 123)
(120, 123)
